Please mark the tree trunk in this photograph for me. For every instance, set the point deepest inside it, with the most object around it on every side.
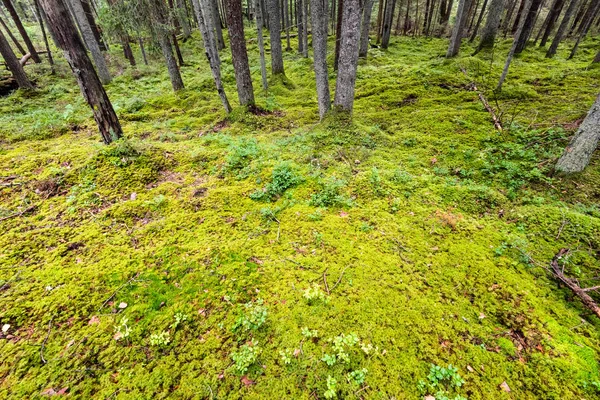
(41, 18)
(510, 9)
(388, 18)
(275, 35)
(305, 37)
(407, 18)
(182, 18)
(261, 45)
(551, 20)
(528, 27)
(586, 26)
(15, 17)
(90, 40)
(218, 27)
(12, 37)
(380, 8)
(60, 22)
(518, 17)
(459, 24)
(348, 60)
(13, 64)
(143, 50)
(174, 22)
(300, 23)
(426, 18)
(581, 11)
(597, 58)
(124, 38)
(160, 24)
(492, 23)
(366, 24)
(239, 53)
(286, 19)
(202, 8)
(511, 53)
(589, 13)
(578, 153)
(87, 9)
(562, 29)
(474, 34)
(338, 34)
(318, 9)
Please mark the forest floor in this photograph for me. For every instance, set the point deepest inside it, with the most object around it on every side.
(271, 256)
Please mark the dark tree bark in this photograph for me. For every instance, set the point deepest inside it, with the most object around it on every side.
(366, 24)
(476, 28)
(518, 17)
(348, 61)
(143, 50)
(380, 8)
(261, 45)
(338, 34)
(60, 22)
(461, 20)
(300, 23)
(589, 12)
(182, 19)
(510, 9)
(160, 26)
(12, 37)
(87, 9)
(578, 153)
(445, 12)
(305, 16)
(124, 38)
(388, 18)
(586, 26)
(406, 18)
(511, 53)
(551, 20)
(492, 23)
(174, 22)
(426, 18)
(562, 28)
(13, 64)
(15, 17)
(218, 26)
(239, 53)
(318, 9)
(528, 27)
(286, 21)
(41, 18)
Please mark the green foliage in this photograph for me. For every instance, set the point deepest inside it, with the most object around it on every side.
(283, 178)
(245, 357)
(160, 339)
(253, 316)
(239, 157)
(331, 194)
(443, 382)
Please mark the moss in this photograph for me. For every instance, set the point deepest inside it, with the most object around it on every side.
(423, 220)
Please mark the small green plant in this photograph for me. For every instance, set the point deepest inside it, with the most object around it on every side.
(160, 339)
(314, 293)
(376, 182)
(157, 202)
(240, 156)
(286, 356)
(83, 195)
(179, 319)
(122, 330)
(253, 316)
(331, 194)
(358, 376)
(309, 334)
(245, 356)
(442, 382)
(284, 177)
(331, 392)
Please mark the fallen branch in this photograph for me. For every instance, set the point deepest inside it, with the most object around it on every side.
(18, 214)
(485, 103)
(339, 279)
(325, 281)
(116, 291)
(45, 340)
(571, 284)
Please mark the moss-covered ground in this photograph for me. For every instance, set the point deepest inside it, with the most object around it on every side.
(272, 256)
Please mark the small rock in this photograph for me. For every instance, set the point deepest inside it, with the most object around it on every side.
(5, 328)
(504, 387)
(122, 305)
(133, 196)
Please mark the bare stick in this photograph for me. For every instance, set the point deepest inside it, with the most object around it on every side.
(18, 214)
(119, 288)
(485, 103)
(45, 340)
(325, 280)
(339, 279)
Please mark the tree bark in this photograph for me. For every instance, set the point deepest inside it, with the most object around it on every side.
(239, 53)
(586, 26)
(305, 37)
(581, 11)
(459, 24)
(218, 27)
(87, 9)
(300, 23)
(12, 37)
(388, 18)
(286, 19)
(60, 22)
(15, 17)
(338, 34)
(511, 53)
(348, 60)
(530, 15)
(181, 16)
(261, 45)
(41, 18)
(481, 13)
(202, 8)
(562, 29)
(13, 64)
(318, 9)
(518, 17)
(366, 25)
(551, 20)
(90, 40)
(160, 26)
(492, 23)
(578, 153)
(275, 35)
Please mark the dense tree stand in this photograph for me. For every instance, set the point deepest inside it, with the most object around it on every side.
(92, 90)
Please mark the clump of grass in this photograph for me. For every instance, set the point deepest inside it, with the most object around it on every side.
(283, 178)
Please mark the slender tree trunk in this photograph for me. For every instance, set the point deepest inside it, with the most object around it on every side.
(275, 34)
(161, 28)
(286, 19)
(492, 23)
(41, 18)
(366, 24)
(183, 19)
(348, 60)
(579, 16)
(305, 37)
(427, 11)
(143, 50)
(261, 45)
(90, 40)
(13, 64)
(512, 4)
(380, 8)
(461, 20)
(528, 27)
(472, 14)
(584, 31)
(578, 153)
(60, 22)
(173, 22)
(300, 23)
(12, 37)
(407, 19)
(388, 18)
(398, 21)
(318, 9)
(474, 34)
(218, 27)
(239, 53)
(338, 34)
(518, 17)
(511, 53)
(551, 20)
(87, 9)
(202, 8)
(15, 17)
(562, 29)
(124, 38)
(589, 13)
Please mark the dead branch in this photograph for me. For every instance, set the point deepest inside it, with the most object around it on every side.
(339, 279)
(571, 284)
(119, 288)
(18, 214)
(45, 340)
(325, 281)
(485, 103)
